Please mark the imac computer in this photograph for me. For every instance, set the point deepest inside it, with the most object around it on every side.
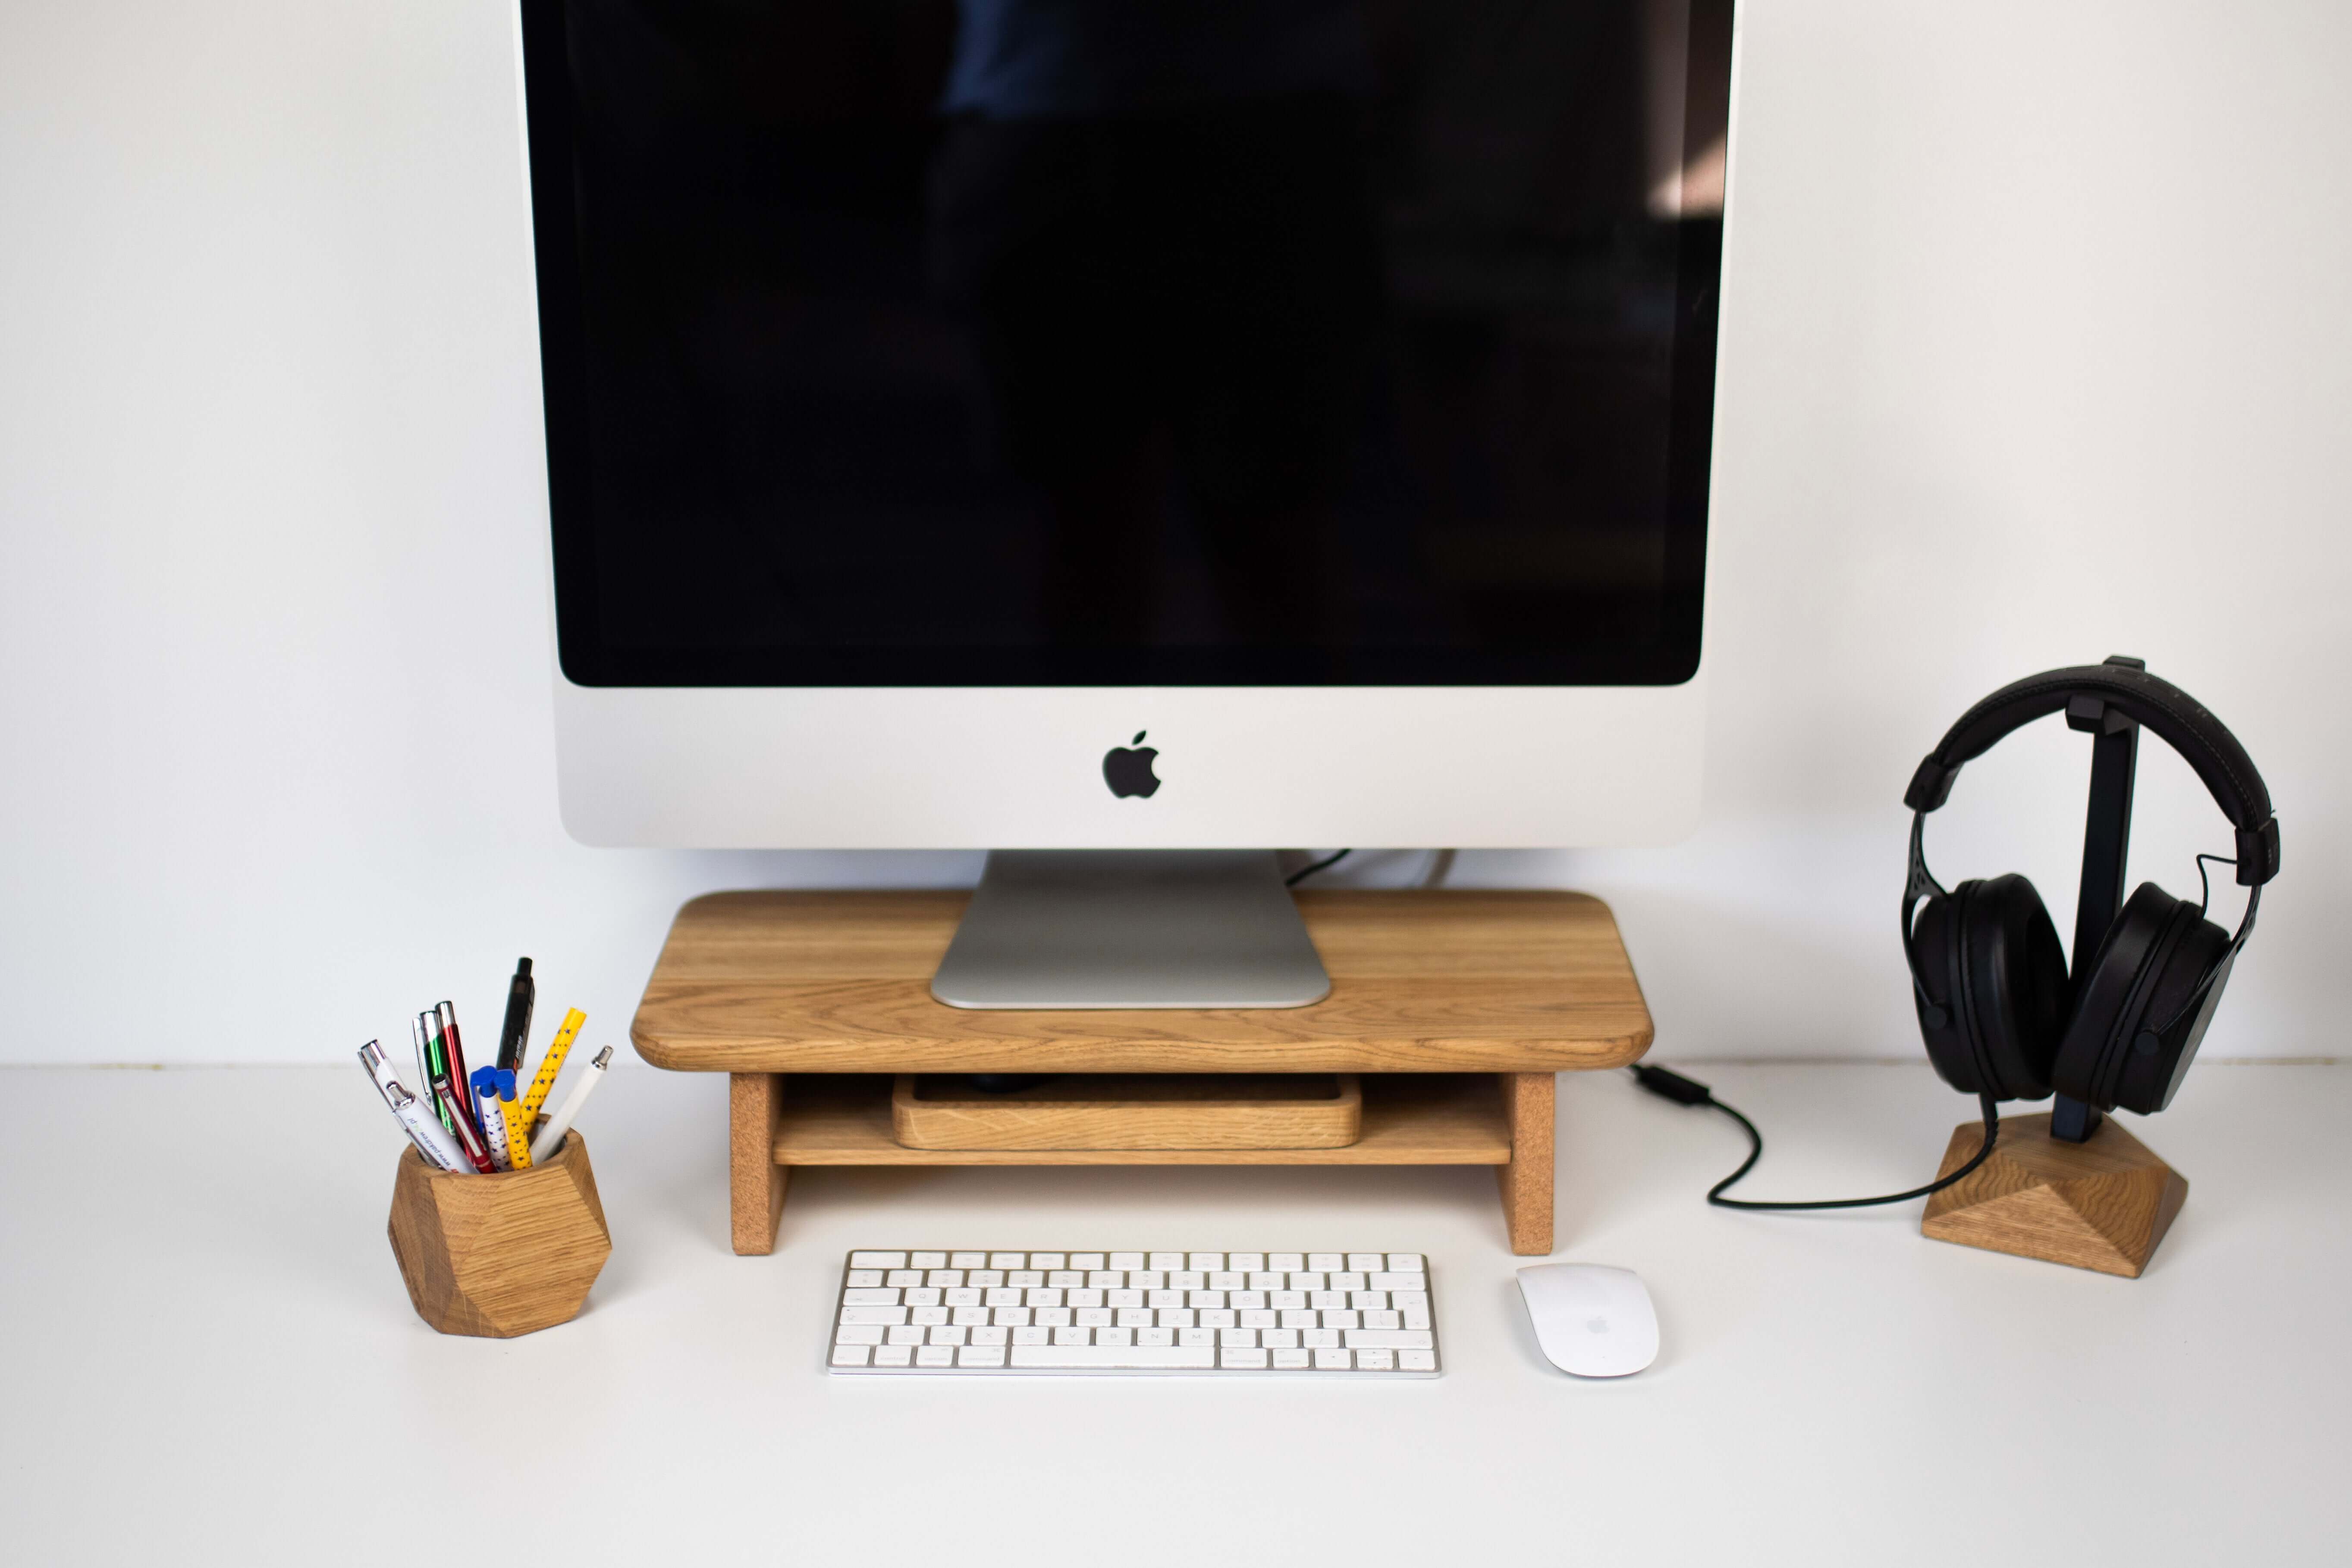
(1127, 436)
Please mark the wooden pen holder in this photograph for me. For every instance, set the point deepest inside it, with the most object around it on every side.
(504, 1254)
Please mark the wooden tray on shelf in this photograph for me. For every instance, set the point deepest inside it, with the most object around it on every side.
(1131, 1111)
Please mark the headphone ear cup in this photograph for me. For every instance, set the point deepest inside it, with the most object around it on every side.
(1996, 988)
(2133, 1033)
(1936, 998)
(2015, 990)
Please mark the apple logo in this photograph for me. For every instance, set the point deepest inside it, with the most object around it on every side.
(1128, 771)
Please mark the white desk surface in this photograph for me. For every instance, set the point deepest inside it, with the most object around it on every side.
(206, 1355)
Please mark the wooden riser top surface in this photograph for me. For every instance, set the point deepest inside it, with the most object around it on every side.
(1422, 982)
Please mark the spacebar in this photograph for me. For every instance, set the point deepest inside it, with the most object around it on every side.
(1114, 1357)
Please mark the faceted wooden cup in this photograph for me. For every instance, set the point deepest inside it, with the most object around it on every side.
(499, 1255)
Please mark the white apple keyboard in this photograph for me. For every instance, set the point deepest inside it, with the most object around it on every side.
(1243, 1315)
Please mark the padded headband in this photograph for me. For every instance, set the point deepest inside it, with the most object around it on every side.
(2202, 740)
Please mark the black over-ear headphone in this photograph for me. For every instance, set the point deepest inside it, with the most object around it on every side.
(2000, 1016)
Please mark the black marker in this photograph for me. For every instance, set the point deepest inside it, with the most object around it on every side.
(521, 994)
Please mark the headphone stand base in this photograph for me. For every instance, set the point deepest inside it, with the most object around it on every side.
(2101, 1204)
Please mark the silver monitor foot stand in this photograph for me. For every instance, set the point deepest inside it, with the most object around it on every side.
(1131, 929)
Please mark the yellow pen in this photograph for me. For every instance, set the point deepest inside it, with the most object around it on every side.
(517, 1127)
(551, 1063)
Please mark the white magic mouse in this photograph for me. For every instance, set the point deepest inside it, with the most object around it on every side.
(1590, 1320)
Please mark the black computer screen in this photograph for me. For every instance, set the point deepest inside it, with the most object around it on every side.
(1070, 342)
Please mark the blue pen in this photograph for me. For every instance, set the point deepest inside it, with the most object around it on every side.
(485, 1084)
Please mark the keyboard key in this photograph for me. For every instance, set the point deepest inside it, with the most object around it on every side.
(863, 1279)
(928, 1259)
(967, 1259)
(1325, 1263)
(1264, 1282)
(935, 1355)
(1073, 1336)
(1206, 1260)
(1007, 1259)
(873, 1315)
(859, 1334)
(924, 1296)
(1405, 1264)
(1094, 1317)
(925, 1315)
(1417, 1359)
(1319, 1339)
(1011, 1317)
(1083, 1260)
(949, 1277)
(1331, 1360)
(1168, 1260)
(893, 1354)
(1024, 1278)
(1175, 1317)
(907, 1334)
(1383, 1319)
(1279, 1339)
(1389, 1339)
(1341, 1320)
(1393, 1281)
(1375, 1361)
(1285, 1262)
(897, 1277)
(964, 1296)
(1247, 1262)
(1368, 1301)
(1242, 1358)
(1348, 1280)
(1032, 1335)
(948, 1333)
(985, 1277)
(1191, 1339)
(1293, 1359)
(978, 1355)
(1241, 1339)
(1225, 1280)
(1054, 1317)
(851, 1354)
(1259, 1318)
(1127, 1260)
(1219, 1318)
(1114, 1336)
(1366, 1261)
(968, 1316)
(1048, 1261)
(1415, 1317)
(990, 1336)
(1155, 1336)
(869, 1298)
(877, 1260)
(1137, 1357)
(1106, 1280)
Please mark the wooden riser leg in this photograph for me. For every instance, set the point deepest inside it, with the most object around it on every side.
(755, 1181)
(1528, 1099)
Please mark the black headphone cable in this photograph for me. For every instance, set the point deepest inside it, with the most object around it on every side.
(1682, 1091)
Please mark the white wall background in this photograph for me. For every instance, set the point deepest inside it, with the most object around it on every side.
(2038, 347)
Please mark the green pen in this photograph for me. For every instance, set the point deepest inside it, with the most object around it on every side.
(433, 1062)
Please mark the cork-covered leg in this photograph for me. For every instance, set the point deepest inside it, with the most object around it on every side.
(1527, 1180)
(756, 1182)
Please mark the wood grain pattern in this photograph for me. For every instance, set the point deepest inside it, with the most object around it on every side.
(755, 1183)
(1133, 1111)
(499, 1255)
(1528, 1099)
(1434, 981)
(1408, 1120)
(2101, 1204)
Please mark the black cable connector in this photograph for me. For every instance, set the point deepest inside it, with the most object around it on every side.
(1325, 863)
(1682, 1091)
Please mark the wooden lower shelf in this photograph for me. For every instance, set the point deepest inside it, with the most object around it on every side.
(1409, 1119)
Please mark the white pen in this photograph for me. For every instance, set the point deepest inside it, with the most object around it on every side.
(439, 1149)
(561, 1122)
(432, 1140)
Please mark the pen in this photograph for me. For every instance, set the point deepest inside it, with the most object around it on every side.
(522, 992)
(561, 1122)
(432, 1140)
(494, 1124)
(432, 1067)
(517, 1130)
(462, 1126)
(551, 1063)
(448, 1017)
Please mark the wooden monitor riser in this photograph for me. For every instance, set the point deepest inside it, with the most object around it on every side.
(1456, 1008)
